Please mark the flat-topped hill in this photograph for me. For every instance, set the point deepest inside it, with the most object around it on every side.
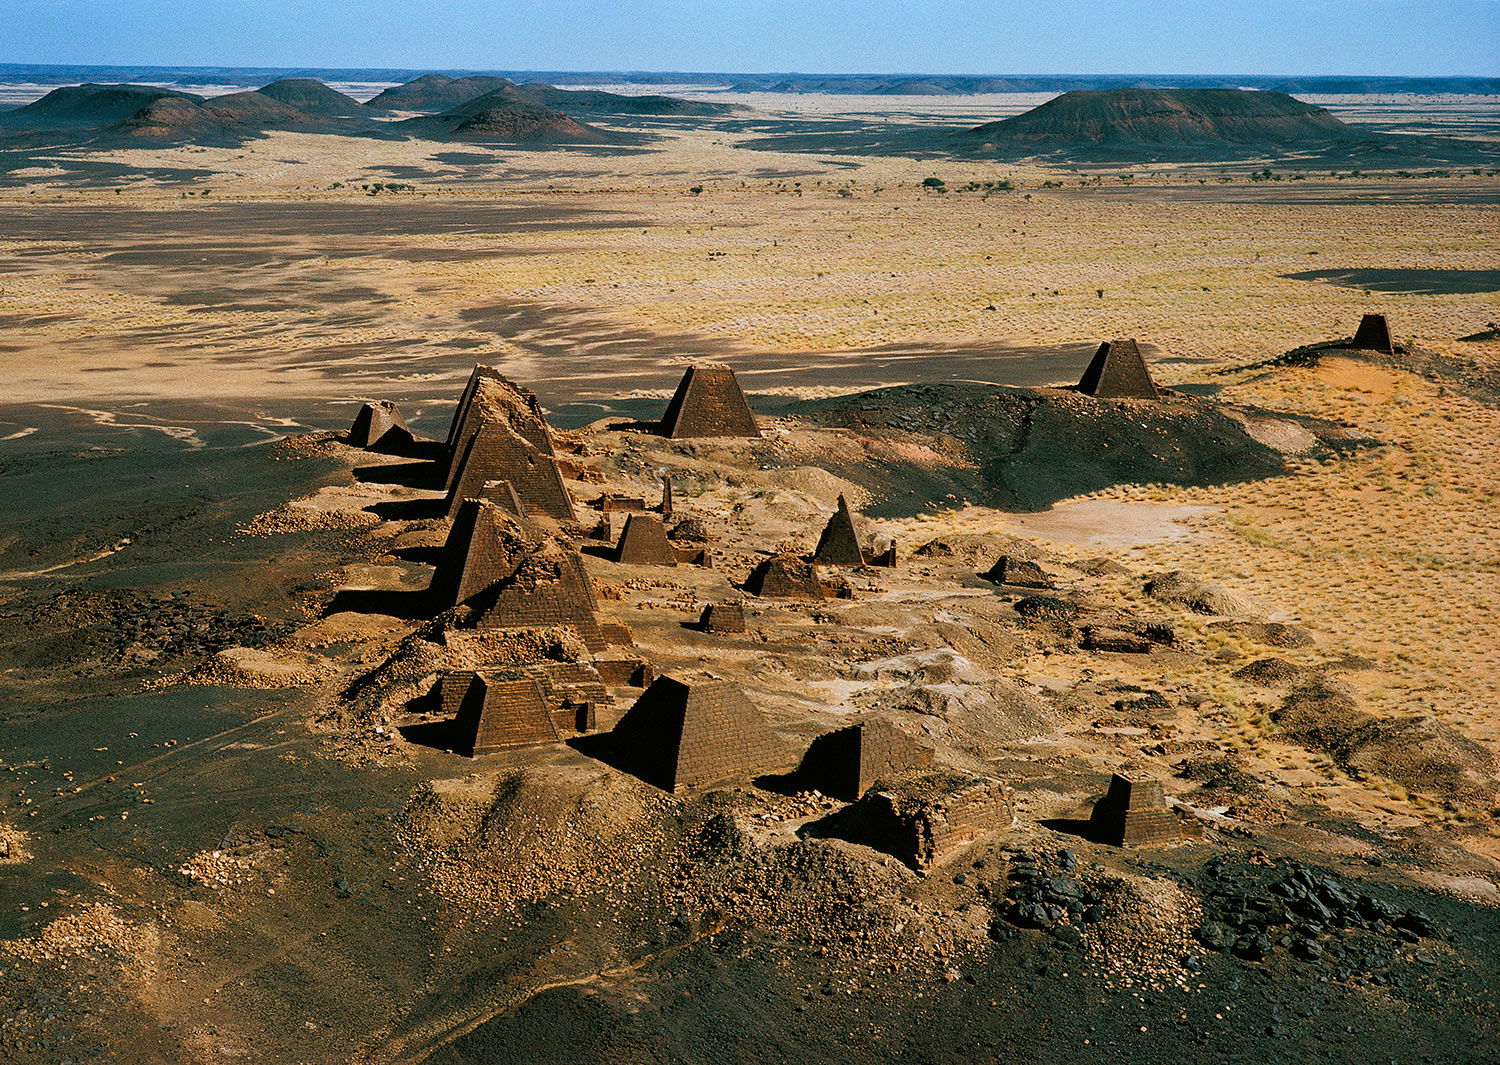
(437, 92)
(221, 117)
(1129, 119)
(598, 102)
(89, 106)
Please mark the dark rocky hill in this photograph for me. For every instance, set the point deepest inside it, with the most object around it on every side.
(596, 102)
(437, 92)
(312, 97)
(89, 106)
(220, 118)
(508, 116)
(1129, 118)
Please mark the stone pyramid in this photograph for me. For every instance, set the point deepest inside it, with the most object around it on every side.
(379, 424)
(1118, 372)
(1134, 811)
(484, 546)
(681, 734)
(847, 762)
(644, 542)
(924, 817)
(492, 454)
(839, 544)
(496, 711)
(709, 402)
(503, 495)
(549, 588)
(1374, 334)
(786, 577)
(465, 400)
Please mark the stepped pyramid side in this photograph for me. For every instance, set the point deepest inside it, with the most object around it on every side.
(1374, 334)
(709, 402)
(1118, 372)
(680, 735)
(500, 711)
(549, 588)
(379, 423)
(465, 401)
(492, 454)
(484, 546)
(644, 542)
(786, 577)
(839, 544)
(1133, 812)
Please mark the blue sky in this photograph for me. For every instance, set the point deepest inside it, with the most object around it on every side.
(1418, 37)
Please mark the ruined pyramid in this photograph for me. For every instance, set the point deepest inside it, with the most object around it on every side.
(684, 734)
(847, 762)
(1374, 334)
(549, 588)
(379, 425)
(484, 546)
(1118, 372)
(708, 402)
(786, 577)
(501, 435)
(1134, 811)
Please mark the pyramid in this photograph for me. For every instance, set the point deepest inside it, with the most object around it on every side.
(839, 544)
(644, 542)
(1134, 811)
(549, 588)
(496, 711)
(1118, 372)
(708, 402)
(786, 577)
(484, 546)
(1374, 334)
(379, 424)
(503, 495)
(680, 735)
(465, 400)
(724, 617)
(492, 454)
(847, 762)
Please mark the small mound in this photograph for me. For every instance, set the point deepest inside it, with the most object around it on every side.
(437, 92)
(223, 117)
(1180, 589)
(312, 97)
(508, 116)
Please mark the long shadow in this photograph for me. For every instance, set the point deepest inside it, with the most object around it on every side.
(427, 556)
(406, 474)
(408, 605)
(409, 509)
(1071, 826)
(439, 735)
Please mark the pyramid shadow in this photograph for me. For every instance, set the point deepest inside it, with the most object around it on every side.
(396, 603)
(427, 556)
(439, 735)
(1071, 826)
(604, 551)
(409, 509)
(405, 474)
(637, 426)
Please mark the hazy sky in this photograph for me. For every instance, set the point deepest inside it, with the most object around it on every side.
(875, 36)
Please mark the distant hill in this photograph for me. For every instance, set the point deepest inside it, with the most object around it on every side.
(312, 97)
(507, 115)
(437, 92)
(1194, 120)
(88, 106)
(216, 119)
(596, 102)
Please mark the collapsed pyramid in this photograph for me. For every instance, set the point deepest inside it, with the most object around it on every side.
(1118, 372)
(1134, 811)
(680, 735)
(708, 402)
(847, 762)
(786, 577)
(379, 425)
(1374, 334)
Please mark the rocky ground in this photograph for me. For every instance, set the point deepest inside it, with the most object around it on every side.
(221, 843)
